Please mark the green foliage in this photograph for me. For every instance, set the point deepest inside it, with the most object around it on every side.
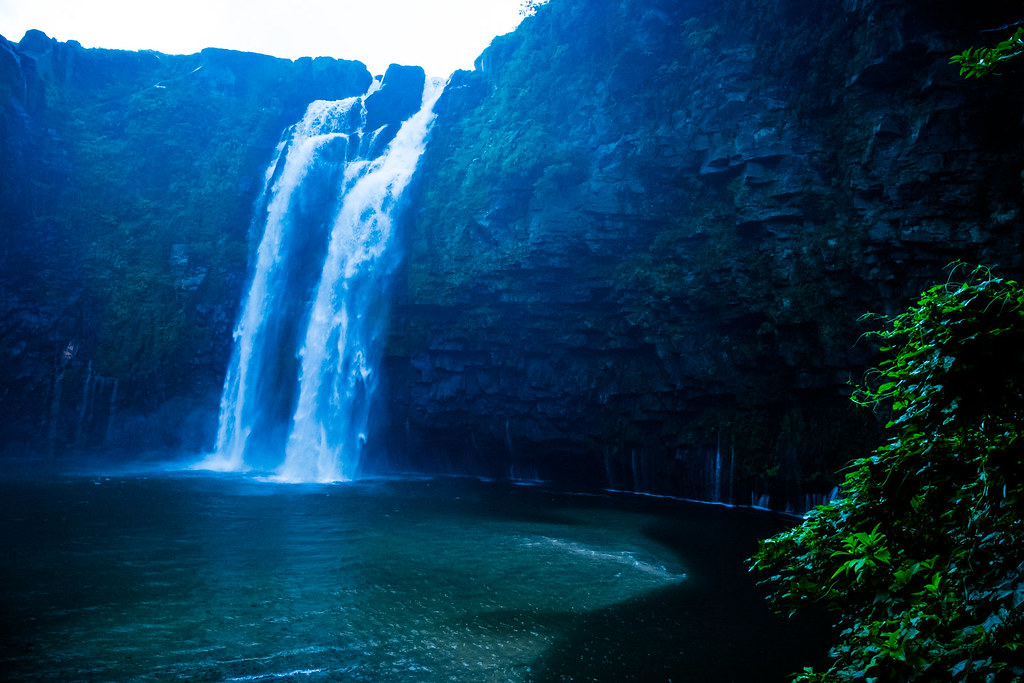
(865, 551)
(922, 557)
(509, 148)
(984, 61)
(157, 169)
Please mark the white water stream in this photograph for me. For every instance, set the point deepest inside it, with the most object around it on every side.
(336, 337)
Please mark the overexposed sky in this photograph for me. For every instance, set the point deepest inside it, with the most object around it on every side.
(439, 35)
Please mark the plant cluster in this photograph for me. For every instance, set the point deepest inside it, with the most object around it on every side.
(984, 61)
(922, 557)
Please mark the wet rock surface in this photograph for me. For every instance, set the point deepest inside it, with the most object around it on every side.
(649, 272)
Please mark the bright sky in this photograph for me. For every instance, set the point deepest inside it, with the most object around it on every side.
(439, 35)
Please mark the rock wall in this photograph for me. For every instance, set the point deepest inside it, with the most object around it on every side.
(636, 255)
(644, 233)
(127, 187)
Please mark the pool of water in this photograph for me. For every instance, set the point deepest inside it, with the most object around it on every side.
(189, 576)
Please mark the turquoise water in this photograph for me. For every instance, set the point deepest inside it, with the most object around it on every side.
(225, 578)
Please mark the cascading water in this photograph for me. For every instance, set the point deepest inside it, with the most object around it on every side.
(302, 374)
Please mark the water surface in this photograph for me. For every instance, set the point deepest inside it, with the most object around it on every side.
(225, 578)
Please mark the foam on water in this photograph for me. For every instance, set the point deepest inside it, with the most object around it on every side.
(626, 558)
(271, 676)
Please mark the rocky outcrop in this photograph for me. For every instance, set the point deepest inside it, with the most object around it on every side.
(127, 188)
(399, 97)
(644, 233)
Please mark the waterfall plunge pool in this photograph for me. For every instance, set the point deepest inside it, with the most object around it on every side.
(194, 576)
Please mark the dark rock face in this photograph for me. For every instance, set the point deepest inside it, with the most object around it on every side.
(128, 183)
(399, 97)
(644, 232)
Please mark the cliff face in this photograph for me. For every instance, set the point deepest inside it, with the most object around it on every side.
(636, 253)
(127, 187)
(644, 233)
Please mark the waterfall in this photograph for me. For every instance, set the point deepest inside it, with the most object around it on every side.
(85, 411)
(718, 472)
(303, 369)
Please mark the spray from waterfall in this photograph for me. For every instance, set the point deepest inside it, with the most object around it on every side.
(299, 389)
